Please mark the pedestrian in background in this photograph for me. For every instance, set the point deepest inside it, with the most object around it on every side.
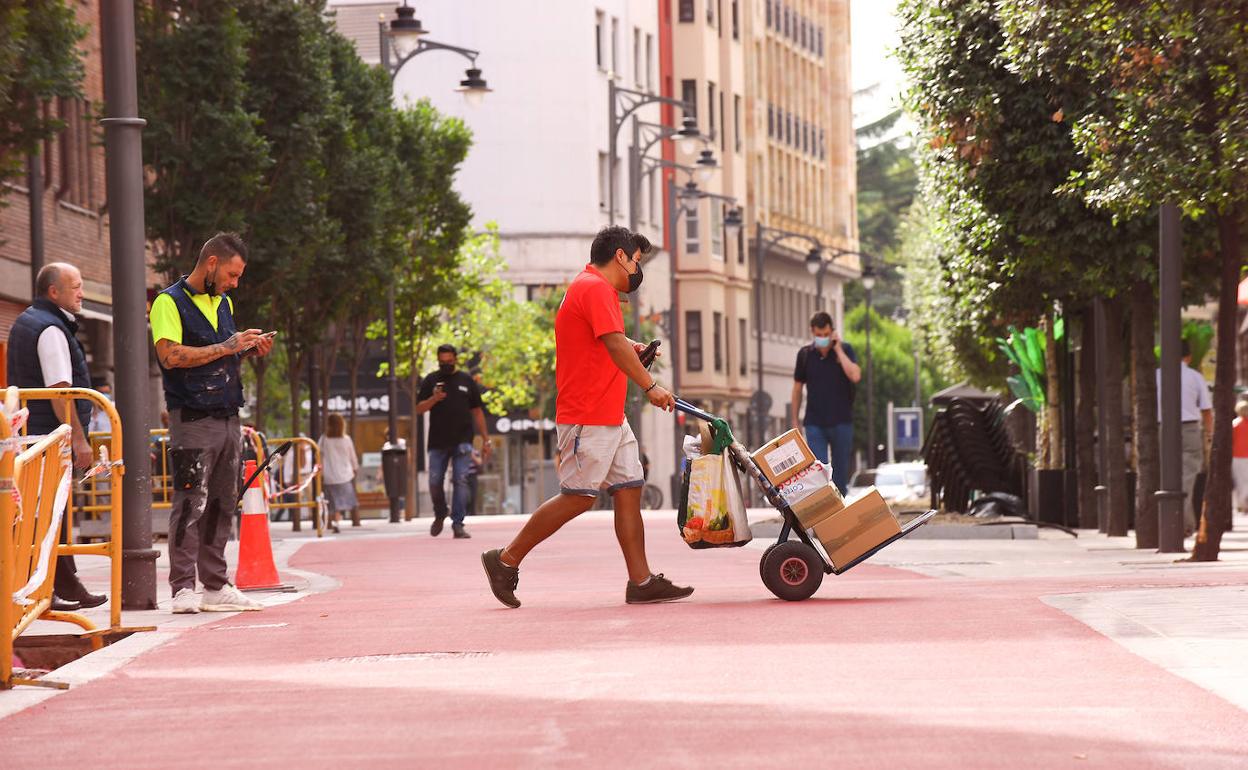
(453, 399)
(44, 352)
(1239, 461)
(200, 351)
(829, 370)
(1196, 416)
(99, 418)
(594, 360)
(339, 466)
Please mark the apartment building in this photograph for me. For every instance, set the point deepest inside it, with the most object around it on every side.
(713, 307)
(801, 169)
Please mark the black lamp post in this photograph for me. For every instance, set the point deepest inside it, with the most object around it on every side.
(868, 283)
(404, 36)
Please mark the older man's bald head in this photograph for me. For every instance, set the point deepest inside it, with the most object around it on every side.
(61, 283)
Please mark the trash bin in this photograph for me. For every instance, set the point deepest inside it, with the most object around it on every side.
(394, 475)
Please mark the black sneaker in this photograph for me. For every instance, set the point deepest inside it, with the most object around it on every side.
(503, 579)
(659, 589)
(460, 532)
(436, 528)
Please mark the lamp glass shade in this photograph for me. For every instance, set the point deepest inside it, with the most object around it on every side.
(405, 42)
(868, 282)
(688, 144)
(813, 262)
(704, 173)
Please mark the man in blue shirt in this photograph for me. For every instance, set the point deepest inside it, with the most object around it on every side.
(829, 370)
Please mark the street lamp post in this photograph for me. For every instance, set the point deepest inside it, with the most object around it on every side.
(621, 103)
(407, 37)
(123, 159)
(868, 283)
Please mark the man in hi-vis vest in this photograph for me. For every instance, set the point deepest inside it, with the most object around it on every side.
(200, 352)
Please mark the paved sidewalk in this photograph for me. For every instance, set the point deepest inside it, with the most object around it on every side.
(960, 654)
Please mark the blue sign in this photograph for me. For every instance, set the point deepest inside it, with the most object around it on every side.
(907, 428)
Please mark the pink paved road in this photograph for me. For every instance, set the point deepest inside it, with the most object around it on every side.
(882, 668)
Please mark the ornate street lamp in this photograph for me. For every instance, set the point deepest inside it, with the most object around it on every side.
(733, 222)
(706, 166)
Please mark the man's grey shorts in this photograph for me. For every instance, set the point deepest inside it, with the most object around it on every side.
(596, 457)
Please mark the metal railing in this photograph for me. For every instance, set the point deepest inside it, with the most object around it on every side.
(39, 486)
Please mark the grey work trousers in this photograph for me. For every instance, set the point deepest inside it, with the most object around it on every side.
(204, 458)
(1193, 460)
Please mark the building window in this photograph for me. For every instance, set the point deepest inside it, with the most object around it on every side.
(823, 147)
(736, 20)
(599, 31)
(691, 232)
(76, 182)
(686, 10)
(787, 29)
(771, 121)
(743, 340)
(710, 12)
(603, 181)
(788, 128)
(615, 45)
(693, 340)
(769, 14)
(717, 230)
(650, 63)
(736, 123)
(741, 244)
(820, 39)
(689, 95)
(637, 69)
(802, 32)
(723, 135)
(710, 106)
(717, 320)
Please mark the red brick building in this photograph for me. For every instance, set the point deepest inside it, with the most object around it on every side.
(75, 218)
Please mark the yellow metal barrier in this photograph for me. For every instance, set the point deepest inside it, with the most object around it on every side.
(110, 548)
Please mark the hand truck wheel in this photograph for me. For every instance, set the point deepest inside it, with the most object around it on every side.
(792, 570)
(762, 575)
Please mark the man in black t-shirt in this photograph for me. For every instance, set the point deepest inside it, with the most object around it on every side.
(829, 370)
(453, 399)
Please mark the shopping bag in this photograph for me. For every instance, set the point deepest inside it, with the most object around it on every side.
(712, 509)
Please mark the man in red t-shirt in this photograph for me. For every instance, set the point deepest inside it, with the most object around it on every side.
(594, 361)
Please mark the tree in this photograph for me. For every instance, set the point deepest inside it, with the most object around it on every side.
(204, 156)
(39, 61)
(1163, 121)
(994, 149)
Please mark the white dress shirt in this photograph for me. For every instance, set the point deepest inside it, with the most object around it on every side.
(53, 350)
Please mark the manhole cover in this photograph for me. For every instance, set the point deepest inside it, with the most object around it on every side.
(433, 655)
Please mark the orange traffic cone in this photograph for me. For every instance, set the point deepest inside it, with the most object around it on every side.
(256, 570)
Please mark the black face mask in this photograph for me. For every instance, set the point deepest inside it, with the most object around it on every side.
(210, 284)
(634, 280)
(446, 368)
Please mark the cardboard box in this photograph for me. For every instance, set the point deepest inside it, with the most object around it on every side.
(855, 529)
(806, 483)
(784, 457)
(817, 506)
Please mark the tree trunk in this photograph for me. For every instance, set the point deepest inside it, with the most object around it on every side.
(1216, 512)
(1116, 473)
(1085, 429)
(259, 367)
(1147, 440)
(1053, 396)
(355, 359)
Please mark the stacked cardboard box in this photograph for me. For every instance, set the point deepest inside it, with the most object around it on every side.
(842, 532)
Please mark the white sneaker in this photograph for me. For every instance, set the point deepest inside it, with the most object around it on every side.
(228, 599)
(186, 602)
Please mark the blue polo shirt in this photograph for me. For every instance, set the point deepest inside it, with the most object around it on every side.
(829, 393)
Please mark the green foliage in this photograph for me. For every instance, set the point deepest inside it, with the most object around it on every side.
(1199, 337)
(892, 351)
(994, 148)
(202, 148)
(1025, 350)
(39, 60)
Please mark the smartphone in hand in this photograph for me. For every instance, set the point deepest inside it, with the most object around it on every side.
(648, 355)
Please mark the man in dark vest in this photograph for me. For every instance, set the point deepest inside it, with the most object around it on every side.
(44, 352)
(200, 352)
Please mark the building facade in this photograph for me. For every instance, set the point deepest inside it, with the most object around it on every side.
(75, 220)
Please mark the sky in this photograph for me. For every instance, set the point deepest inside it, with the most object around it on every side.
(873, 34)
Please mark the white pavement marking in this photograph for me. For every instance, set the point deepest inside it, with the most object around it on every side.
(1198, 633)
(254, 625)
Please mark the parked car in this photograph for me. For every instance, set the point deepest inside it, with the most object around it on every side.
(895, 481)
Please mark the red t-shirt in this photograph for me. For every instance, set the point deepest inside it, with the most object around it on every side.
(591, 387)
